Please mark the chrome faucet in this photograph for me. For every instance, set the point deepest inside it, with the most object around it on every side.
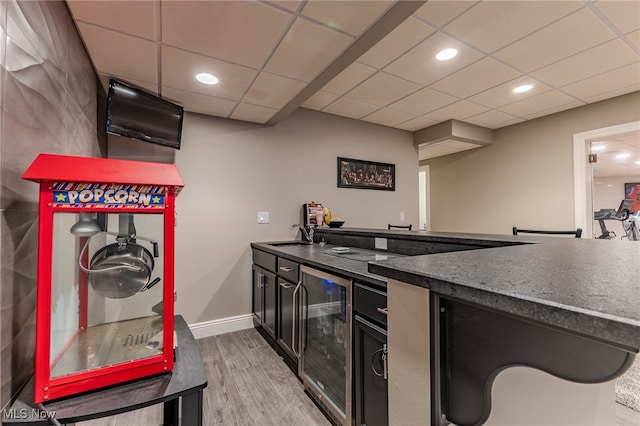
(307, 235)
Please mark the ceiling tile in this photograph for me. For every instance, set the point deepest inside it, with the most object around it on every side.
(568, 36)
(423, 101)
(352, 17)
(539, 104)
(609, 165)
(553, 110)
(179, 68)
(353, 75)
(287, 4)
(382, 89)
(493, 119)
(306, 49)
(501, 95)
(625, 15)
(113, 53)
(271, 90)
(350, 108)
(613, 83)
(253, 113)
(199, 103)
(421, 66)
(566, 48)
(240, 32)
(605, 57)
(441, 12)
(319, 100)
(387, 117)
(458, 111)
(401, 39)
(417, 123)
(491, 25)
(618, 91)
(475, 78)
(634, 38)
(131, 17)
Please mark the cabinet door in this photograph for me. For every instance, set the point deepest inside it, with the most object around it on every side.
(269, 288)
(370, 384)
(256, 294)
(287, 329)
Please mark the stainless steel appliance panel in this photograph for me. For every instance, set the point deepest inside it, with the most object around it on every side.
(325, 349)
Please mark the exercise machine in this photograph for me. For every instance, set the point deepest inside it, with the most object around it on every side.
(630, 221)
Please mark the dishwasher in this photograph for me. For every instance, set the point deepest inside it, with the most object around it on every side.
(325, 341)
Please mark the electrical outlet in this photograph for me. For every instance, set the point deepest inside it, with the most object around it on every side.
(263, 217)
(401, 215)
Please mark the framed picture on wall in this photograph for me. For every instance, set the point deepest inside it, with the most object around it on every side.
(363, 174)
(632, 192)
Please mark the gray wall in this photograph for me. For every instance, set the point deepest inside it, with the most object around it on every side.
(525, 178)
(48, 104)
(234, 169)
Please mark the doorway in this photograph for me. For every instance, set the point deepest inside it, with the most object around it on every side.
(424, 198)
(614, 168)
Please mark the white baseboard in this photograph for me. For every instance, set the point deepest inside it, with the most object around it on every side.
(221, 326)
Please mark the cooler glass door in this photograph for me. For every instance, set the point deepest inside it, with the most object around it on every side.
(325, 365)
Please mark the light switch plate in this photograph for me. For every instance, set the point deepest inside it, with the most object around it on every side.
(263, 217)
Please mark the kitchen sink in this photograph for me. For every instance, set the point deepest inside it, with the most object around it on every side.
(361, 255)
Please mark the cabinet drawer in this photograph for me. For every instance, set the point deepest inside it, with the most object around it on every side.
(369, 302)
(288, 270)
(265, 260)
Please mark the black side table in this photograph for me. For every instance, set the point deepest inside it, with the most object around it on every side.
(184, 384)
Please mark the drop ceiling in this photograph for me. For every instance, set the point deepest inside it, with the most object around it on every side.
(369, 60)
(617, 156)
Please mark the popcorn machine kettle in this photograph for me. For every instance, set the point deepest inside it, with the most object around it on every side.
(105, 287)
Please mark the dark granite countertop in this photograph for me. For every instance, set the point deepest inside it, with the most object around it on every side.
(314, 255)
(589, 287)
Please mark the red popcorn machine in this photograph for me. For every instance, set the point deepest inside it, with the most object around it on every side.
(105, 286)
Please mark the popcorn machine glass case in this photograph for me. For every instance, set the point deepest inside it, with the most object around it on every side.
(105, 287)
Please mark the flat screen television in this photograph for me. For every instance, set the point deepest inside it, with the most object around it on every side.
(136, 114)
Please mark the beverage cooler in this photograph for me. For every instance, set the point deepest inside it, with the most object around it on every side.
(325, 350)
(105, 286)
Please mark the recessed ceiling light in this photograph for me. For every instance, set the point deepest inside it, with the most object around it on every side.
(446, 54)
(623, 156)
(206, 78)
(598, 148)
(523, 88)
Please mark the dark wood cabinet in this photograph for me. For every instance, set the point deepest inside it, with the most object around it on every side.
(370, 356)
(277, 310)
(275, 303)
(288, 309)
(287, 316)
(264, 299)
(370, 352)
(257, 295)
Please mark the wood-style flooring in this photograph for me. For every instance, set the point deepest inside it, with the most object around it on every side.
(249, 384)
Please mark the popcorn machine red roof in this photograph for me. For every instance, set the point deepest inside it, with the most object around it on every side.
(105, 242)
